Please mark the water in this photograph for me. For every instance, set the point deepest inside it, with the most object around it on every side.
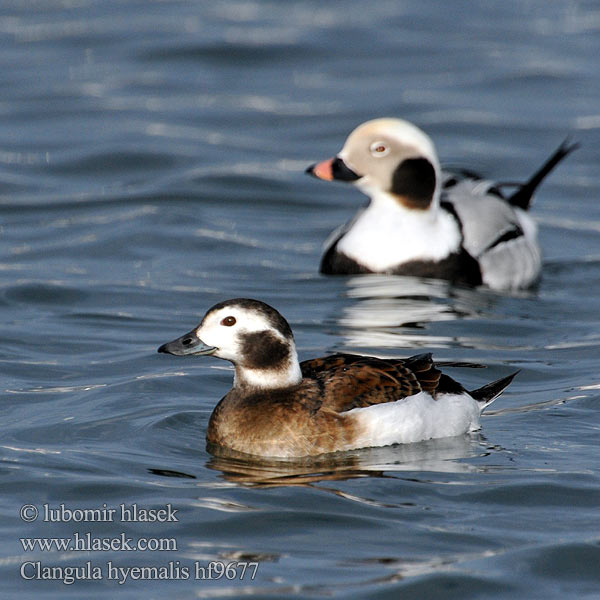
(151, 164)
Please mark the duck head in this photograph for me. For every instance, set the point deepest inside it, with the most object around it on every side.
(250, 334)
(388, 157)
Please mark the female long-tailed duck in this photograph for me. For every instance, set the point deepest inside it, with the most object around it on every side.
(423, 222)
(279, 407)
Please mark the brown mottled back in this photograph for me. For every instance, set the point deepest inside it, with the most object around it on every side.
(349, 381)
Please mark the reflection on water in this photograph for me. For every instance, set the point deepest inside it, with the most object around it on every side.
(152, 164)
(439, 455)
(388, 307)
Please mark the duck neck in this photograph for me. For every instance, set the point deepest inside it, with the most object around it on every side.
(284, 374)
(386, 201)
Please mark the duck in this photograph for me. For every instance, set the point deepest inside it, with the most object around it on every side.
(424, 222)
(279, 407)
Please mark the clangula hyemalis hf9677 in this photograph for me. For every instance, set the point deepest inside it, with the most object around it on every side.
(279, 407)
(426, 223)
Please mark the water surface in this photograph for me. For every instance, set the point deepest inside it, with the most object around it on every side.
(151, 164)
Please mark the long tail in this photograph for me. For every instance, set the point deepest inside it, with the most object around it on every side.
(522, 197)
(488, 393)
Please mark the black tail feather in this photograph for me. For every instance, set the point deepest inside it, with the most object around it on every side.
(459, 364)
(411, 361)
(489, 392)
(522, 197)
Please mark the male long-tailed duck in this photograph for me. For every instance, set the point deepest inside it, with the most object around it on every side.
(423, 222)
(279, 407)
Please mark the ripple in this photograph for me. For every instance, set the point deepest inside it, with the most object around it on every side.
(151, 165)
(571, 561)
(114, 162)
(63, 389)
(265, 46)
(45, 293)
(222, 505)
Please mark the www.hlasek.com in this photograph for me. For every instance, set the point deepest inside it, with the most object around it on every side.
(86, 542)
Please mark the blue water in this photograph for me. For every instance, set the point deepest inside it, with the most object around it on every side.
(151, 164)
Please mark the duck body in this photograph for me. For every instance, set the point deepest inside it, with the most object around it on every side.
(278, 407)
(386, 238)
(347, 405)
(423, 222)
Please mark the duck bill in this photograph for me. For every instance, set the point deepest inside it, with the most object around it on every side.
(187, 345)
(332, 169)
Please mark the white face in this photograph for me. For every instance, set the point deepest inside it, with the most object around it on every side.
(250, 334)
(221, 328)
(376, 148)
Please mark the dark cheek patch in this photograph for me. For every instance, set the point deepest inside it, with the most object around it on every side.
(414, 181)
(263, 350)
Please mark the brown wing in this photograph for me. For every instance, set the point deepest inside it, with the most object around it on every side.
(349, 381)
(311, 368)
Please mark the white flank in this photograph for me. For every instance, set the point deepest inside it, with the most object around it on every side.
(415, 419)
(516, 263)
(513, 264)
(387, 234)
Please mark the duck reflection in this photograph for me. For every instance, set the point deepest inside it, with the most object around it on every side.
(442, 455)
(385, 303)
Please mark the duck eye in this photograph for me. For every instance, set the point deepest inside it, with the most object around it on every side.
(379, 149)
(228, 321)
